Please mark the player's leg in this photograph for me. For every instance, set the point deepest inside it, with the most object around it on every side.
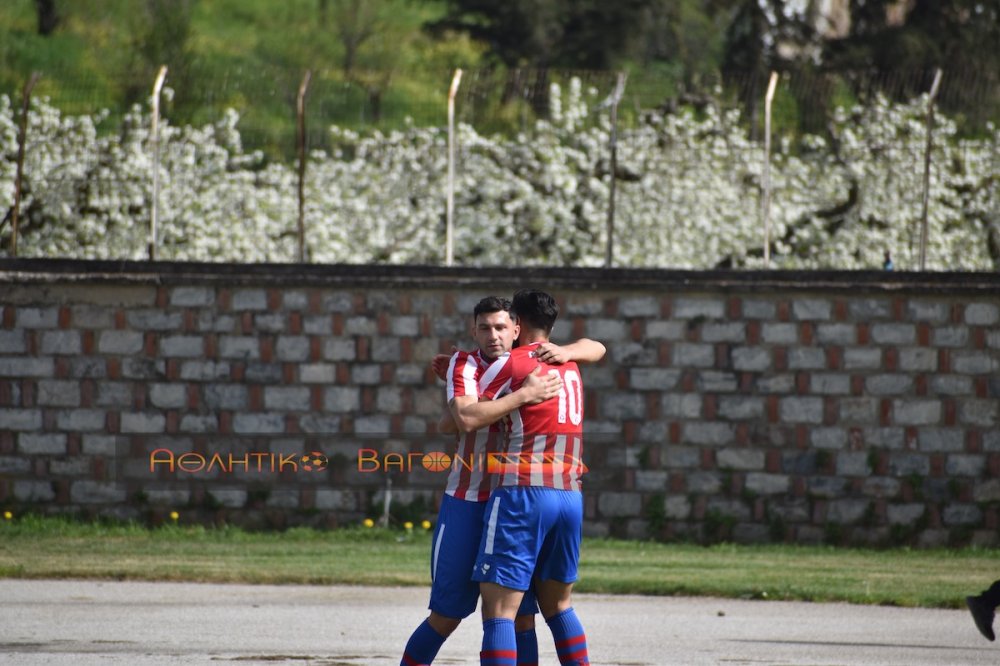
(555, 602)
(504, 568)
(423, 644)
(982, 607)
(554, 597)
(524, 630)
(556, 571)
(453, 595)
(500, 606)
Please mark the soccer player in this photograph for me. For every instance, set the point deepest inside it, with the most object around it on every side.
(459, 528)
(983, 606)
(535, 516)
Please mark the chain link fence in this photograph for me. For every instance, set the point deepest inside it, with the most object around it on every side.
(508, 100)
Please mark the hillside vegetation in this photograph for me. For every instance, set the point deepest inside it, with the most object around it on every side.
(247, 55)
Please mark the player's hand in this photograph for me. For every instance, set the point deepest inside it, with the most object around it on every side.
(552, 354)
(440, 362)
(540, 387)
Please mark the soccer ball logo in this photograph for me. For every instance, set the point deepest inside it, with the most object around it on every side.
(314, 461)
(436, 461)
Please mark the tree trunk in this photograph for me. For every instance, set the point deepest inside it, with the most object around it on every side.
(375, 102)
(48, 18)
(350, 55)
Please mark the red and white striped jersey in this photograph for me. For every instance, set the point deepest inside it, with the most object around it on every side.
(468, 479)
(544, 445)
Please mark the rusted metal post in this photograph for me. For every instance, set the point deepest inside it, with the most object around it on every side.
(927, 168)
(155, 138)
(766, 179)
(449, 239)
(300, 110)
(616, 97)
(22, 139)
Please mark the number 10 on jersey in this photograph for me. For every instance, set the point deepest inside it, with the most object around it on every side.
(570, 397)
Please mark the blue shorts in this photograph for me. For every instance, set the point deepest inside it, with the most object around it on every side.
(530, 532)
(453, 553)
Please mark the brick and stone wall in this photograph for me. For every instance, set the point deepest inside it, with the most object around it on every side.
(752, 406)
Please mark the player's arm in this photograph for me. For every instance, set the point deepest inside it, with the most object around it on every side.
(583, 350)
(470, 413)
(446, 424)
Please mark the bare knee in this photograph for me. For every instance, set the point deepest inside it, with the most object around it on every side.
(554, 597)
(550, 610)
(443, 625)
(499, 601)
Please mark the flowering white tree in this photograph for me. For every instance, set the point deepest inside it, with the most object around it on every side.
(688, 196)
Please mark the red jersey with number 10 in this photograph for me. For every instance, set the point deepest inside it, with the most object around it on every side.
(545, 441)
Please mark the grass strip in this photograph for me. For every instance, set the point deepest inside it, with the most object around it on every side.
(35, 547)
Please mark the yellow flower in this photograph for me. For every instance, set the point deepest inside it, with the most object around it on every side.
(7, 515)
(368, 522)
(174, 516)
(426, 524)
(408, 525)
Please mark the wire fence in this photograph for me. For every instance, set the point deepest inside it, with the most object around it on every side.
(288, 115)
(504, 100)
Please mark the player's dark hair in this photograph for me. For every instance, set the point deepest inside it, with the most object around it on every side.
(536, 309)
(491, 304)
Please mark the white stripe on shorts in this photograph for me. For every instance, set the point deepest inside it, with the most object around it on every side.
(437, 551)
(491, 528)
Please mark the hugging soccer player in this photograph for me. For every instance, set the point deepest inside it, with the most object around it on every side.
(534, 518)
(453, 594)
(460, 521)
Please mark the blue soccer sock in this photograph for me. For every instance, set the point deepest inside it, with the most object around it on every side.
(499, 643)
(423, 646)
(527, 648)
(571, 643)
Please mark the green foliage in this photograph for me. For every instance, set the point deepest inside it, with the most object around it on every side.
(718, 526)
(833, 534)
(916, 483)
(655, 514)
(105, 54)
(374, 61)
(777, 529)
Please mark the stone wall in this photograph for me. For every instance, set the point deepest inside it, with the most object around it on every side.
(752, 406)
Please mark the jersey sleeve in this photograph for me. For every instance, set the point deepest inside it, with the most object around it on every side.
(461, 377)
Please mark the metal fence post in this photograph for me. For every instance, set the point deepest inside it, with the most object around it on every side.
(927, 168)
(22, 139)
(155, 138)
(300, 111)
(616, 97)
(766, 203)
(449, 240)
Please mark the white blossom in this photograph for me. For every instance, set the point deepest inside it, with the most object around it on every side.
(688, 193)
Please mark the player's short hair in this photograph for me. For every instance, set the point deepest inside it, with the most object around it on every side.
(491, 304)
(535, 309)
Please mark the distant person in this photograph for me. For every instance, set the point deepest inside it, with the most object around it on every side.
(887, 264)
(982, 607)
